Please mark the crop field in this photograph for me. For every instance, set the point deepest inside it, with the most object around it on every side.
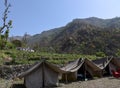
(23, 57)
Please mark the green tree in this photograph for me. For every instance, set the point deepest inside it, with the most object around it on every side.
(6, 25)
(17, 43)
(24, 40)
(6, 34)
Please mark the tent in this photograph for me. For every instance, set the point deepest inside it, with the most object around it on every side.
(42, 74)
(116, 62)
(80, 69)
(107, 64)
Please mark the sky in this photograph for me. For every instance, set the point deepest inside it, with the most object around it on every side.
(36, 16)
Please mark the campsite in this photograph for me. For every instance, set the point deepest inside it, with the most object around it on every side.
(77, 70)
(78, 73)
(59, 44)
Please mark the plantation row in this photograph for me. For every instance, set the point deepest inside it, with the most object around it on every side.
(24, 57)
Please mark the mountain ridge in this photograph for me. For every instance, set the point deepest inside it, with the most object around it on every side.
(78, 35)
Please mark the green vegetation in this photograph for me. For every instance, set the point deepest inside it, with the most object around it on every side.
(24, 57)
(81, 36)
(5, 26)
(87, 38)
(78, 39)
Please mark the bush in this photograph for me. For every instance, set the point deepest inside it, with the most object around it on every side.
(10, 45)
(100, 54)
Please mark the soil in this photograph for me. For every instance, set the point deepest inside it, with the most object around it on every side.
(106, 82)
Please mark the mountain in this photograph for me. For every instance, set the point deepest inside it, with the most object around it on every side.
(27, 36)
(85, 36)
(16, 38)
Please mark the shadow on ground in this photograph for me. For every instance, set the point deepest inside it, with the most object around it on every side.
(17, 86)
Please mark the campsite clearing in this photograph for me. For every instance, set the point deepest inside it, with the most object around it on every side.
(107, 82)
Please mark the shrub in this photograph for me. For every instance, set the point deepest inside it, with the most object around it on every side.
(100, 54)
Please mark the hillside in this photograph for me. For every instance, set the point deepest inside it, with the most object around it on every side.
(85, 36)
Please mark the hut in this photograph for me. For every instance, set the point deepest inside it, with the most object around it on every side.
(80, 69)
(42, 74)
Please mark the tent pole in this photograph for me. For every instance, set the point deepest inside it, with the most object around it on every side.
(66, 77)
(85, 71)
(109, 69)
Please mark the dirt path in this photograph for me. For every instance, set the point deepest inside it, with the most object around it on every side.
(107, 82)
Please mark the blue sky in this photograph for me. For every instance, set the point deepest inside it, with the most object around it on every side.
(35, 16)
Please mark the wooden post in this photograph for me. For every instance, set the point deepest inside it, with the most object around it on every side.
(66, 78)
(85, 71)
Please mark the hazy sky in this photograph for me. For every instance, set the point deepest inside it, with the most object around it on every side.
(35, 16)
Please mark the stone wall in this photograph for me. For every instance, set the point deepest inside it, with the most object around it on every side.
(9, 72)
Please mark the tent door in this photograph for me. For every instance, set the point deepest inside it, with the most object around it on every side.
(83, 74)
(106, 71)
(80, 73)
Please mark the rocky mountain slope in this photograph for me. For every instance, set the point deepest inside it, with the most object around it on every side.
(85, 36)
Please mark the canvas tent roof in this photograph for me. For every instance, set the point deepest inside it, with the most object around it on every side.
(103, 62)
(75, 65)
(79, 67)
(115, 61)
(42, 74)
(92, 65)
(52, 66)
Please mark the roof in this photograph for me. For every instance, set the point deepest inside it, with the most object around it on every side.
(92, 65)
(75, 65)
(116, 61)
(36, 66)
(102, 62)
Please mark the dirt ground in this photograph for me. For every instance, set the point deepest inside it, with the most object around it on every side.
(107, 82)
(7, 83)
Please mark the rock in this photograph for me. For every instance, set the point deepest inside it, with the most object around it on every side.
(9, 72)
